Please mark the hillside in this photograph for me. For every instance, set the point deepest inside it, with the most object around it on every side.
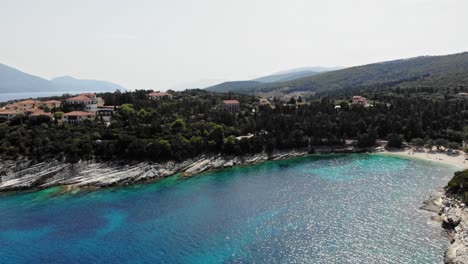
(238, 86)
(15, 81)
(265, 82)
(435, 72)
(285, 76)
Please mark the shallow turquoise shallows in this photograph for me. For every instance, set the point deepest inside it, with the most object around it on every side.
(317, 209)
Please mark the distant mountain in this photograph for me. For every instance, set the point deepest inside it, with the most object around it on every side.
(428, 72)
(16, 81)
(198, 84)
(237, 86)
(285, 76)
(68, 83)
(259, 83)
(309, 69)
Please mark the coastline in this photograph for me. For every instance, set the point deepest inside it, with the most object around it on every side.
(453, 216)
(24, 175)
(453, 160)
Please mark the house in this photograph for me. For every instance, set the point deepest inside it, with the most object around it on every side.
(37, 112)
(89, 100)
(105, 113)
(51, 104)
(159, 96)
(359, 100)
(264, 102)
(7, 113)
(78, 117)
(22, 106)
(230, 105)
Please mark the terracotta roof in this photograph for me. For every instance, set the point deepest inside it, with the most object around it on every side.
(52, 102)
(11, 105)
(79, 98)
(28, 102)
(40, 113)
(159, 94)
(230, 102)
(79, 113)
(7, 112)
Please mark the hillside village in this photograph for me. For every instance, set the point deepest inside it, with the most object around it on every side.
(90, 107)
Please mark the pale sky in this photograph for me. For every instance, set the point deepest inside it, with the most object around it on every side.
(161, 44)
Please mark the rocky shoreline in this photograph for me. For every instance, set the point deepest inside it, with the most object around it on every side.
(23, 174)
(453, 216)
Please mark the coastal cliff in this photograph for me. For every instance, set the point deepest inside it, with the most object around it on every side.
(454, 218)
(23, 174)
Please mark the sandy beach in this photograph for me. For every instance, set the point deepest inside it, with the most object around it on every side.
(456, 160)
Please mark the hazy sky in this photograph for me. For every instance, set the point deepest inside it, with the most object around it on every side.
(161, 44)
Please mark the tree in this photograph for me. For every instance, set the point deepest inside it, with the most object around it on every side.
(417, 142)
(441, 142)
(395, 141)
(365, 140)
(429, 144)
(453, 145)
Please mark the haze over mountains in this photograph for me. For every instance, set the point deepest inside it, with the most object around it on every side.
(16, 81)
(263, 82)
(433, 72)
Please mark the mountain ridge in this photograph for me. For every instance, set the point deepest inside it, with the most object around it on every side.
(437, 72)
(13, 80)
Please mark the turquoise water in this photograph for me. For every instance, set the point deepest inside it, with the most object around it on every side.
(319, 209)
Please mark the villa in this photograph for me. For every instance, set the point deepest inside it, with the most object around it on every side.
(264, 102)
(90, 101)
(21, 107)
(7, 113)
(230, 105)
(359, 100)
(159, 96)
(78, 117)
(51, 104)
(37, 112)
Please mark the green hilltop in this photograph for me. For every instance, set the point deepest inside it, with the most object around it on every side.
(433, 72)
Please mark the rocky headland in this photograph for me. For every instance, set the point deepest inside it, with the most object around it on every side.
(24, 174)
(453, 215)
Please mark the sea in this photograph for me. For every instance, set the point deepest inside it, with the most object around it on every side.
(358, 208)
(5, 97)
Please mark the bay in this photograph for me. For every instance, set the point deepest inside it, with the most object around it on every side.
(360, 208)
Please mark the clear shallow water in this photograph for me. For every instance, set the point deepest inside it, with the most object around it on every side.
(341, 209)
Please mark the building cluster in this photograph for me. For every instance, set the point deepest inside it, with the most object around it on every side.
(31, 108)
(88, 105)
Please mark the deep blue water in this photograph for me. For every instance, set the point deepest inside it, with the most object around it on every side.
(328, 209)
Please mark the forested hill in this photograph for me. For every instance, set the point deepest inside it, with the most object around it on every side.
(192, 123)
(427, 72)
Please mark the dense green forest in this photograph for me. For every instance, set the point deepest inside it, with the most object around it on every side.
(436, 72)
(458, 185)
(192, 123)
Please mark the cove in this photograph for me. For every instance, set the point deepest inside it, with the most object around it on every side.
(356, 208)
